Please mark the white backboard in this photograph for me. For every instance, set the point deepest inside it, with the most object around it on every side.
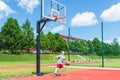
(51, 8)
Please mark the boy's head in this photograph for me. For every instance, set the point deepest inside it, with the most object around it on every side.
(62, 52)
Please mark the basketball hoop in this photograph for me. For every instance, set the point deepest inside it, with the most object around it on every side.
(55, 18)
(59, 18)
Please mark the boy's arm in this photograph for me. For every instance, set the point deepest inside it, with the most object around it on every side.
(57, 57)
(64, 61)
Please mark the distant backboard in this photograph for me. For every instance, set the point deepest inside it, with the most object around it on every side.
(53, 10)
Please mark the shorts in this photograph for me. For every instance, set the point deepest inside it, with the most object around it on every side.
(60, 66)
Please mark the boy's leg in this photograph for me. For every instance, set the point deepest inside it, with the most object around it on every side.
(55, 73)
(61, 71)
(56, 70)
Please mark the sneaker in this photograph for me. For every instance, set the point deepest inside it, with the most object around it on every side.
(55, 75)
(60, 74)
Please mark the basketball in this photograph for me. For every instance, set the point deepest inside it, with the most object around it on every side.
(67, 63)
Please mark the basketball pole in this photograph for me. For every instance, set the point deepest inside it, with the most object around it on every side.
(102, 44)
(69, 44)
(40, 25)
(39, 29)
(38, 50)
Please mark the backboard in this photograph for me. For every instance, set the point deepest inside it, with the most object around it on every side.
(53, 10)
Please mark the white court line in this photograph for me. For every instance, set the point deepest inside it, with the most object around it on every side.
(92, 68)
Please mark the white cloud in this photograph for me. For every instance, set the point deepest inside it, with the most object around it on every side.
(84, 19)
(46, 28)
(112, 14)
(5, 10)
(91, 39)
(35, 33)
(29, 5)
(58, 29)
(111, 40)
(108, 41)
(119, 40)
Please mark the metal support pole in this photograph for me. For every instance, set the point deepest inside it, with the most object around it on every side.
(102, 45)
(38, 73)
(41, 12)
(43, 25)
(69, 44)
(38, 50)
(39, 29)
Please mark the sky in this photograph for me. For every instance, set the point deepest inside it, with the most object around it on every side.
(84, 17)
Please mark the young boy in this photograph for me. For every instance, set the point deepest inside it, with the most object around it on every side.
(61, 59)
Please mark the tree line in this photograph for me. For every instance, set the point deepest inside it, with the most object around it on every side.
(95, 47)
(14, 38)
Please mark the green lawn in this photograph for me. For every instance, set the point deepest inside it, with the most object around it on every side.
(30, 59)
(115, 63)
(24, 59)
(14, 73)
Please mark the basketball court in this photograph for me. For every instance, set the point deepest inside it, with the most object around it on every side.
(90, 74)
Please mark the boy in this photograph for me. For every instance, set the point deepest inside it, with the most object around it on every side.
(61, 59)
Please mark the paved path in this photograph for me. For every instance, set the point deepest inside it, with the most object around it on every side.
(30, 66)
(92, 68)
(54, 65)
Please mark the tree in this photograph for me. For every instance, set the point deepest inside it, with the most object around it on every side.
(47, 43)
(74, 46)
(97, 46)
(79, 46)
(115, 47)
(52, 40)
(44, 41)
(108, 49)
(91, 47)
(11, 34)
(84, 48)
(61, 44)
(28, 35)
(1, 42)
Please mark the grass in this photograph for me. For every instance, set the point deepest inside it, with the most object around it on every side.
(24, 59)
(10, 57)
(30, 59)
(14, 73)
(115, 63)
